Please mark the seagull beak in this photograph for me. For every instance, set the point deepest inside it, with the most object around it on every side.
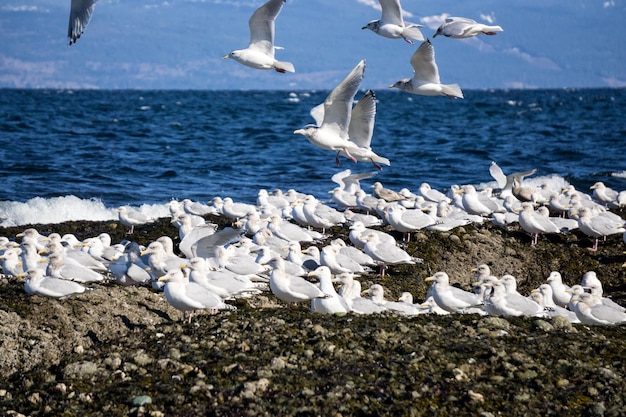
(429, 279)
(298, 132)
(163, 279)
(225, 56)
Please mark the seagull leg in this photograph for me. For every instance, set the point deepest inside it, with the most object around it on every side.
(337, 159)
(352, 158)
(409, 41)
(377, 166)
(594, 248)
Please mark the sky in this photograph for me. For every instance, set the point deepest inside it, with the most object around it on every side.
(179, 44)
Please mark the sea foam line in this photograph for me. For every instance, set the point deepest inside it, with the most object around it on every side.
(55, 210)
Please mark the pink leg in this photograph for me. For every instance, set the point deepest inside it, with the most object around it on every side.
(377, 166)
(409, 41)
(348, 155)
(594, 248)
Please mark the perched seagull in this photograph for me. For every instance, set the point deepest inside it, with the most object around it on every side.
(561, 294)
(384, 253)
(535, 223)
(392, 25)
(131, 218)
(360, 129)
(591, 313)
(425, 81)
(449, 298)
(334, 303)
(39, 284)
(291, 288)
(333, 132)
(462, 27)
(80, 13)
(604, 194)
(598, 225)
(386, 194)
(260, 51)
(188, 296)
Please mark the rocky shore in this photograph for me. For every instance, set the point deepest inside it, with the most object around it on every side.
(116, 351)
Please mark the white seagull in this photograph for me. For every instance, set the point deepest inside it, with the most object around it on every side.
(80, 14)
(392, 25)
(425, 81)
(360, 129)
(332, 134)
(462, 27)
(260, 51)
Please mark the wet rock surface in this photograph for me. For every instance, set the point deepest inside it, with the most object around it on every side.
(124, 351)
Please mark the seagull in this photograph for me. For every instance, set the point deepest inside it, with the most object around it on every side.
(189, 296)
(561, 294)
(260, 51)
(377, 295)
(360, 129)
(604, 194)
(333, 132)
(386, 194)
(39, 284)
(392, 25)
(462, 27)
(291, 288)
(502, 303)
(80, 14)
(591, 313)
(131, 218)
(451, 299)
(477, 203)
(597, 226)
(425, 79)
(334, 303)
(384, 253)
(535, 223)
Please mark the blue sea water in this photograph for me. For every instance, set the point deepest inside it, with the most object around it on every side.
(85, 152)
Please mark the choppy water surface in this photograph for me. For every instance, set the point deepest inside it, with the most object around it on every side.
(147, 147)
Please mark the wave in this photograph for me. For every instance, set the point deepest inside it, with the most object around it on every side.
(55, 210)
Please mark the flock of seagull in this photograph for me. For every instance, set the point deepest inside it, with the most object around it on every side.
(263, 250)
(338, 126)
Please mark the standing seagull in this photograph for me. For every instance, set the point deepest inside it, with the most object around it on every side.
(462, 27)
(332, 134)
(425, 81)
(392, 25)
(260, 51)
(80, 13)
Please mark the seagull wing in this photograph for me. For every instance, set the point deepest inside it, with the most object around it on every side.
(80, 14)
(497, 174)
(338, 104)
(424, 65)
(352, 184)
(361, 125)
(317, 113)
(261, 25)
(392, 12)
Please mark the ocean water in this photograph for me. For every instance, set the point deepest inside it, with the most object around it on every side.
(69, 155)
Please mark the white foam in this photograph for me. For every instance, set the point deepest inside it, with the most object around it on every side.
(68, 208)
(621, 174)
